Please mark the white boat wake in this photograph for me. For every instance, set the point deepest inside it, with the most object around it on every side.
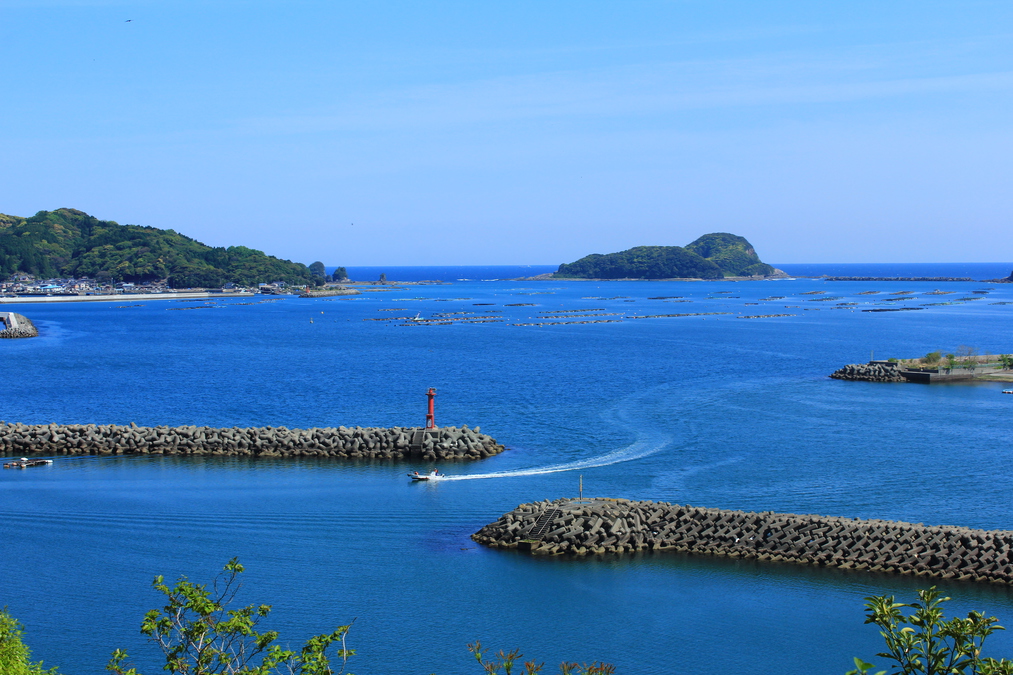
(640, 448)
(646, 443)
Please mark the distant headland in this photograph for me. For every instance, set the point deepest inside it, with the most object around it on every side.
(718, 255)
(67, 243)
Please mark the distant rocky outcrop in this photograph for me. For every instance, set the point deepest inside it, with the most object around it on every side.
(713, 256)
(869, 372)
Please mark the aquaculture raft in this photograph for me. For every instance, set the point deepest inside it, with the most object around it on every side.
(444, 443)
(25, 463)
(598, 526)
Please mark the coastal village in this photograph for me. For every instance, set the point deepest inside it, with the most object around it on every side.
(26, 285)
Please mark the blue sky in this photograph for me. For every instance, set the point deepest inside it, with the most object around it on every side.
(400, 133)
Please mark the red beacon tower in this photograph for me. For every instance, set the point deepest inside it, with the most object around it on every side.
(431, 415)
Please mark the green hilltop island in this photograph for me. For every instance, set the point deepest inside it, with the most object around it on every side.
(718, 255)
(68, 243)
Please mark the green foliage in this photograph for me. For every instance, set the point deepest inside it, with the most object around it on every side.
(340, 274)
(67, 242)
(712, 256)
(732, 253)
(642, 262)
(383, 277)
(199, 635)
(923, 642)
(15, 657)
(1006, 360)
(507, 660)
(892, 360)
(319, 273)
(932, 358)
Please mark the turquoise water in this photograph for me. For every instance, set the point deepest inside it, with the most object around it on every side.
(707, 410)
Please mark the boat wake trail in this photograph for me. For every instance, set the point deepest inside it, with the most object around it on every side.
(647, 443)
(640, 448)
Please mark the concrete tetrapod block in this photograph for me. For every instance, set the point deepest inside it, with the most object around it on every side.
(613, 526)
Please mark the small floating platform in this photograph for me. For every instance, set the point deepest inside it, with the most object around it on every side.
(25, 463)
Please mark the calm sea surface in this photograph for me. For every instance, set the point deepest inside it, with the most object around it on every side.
(711, 410)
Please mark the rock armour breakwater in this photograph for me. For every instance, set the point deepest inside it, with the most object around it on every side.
(617, 525)
(445, 443)
(17, 326)
(868, 372)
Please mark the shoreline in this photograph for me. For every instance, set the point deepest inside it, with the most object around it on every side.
(182, 295)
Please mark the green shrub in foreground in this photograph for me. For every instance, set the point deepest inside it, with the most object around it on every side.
(923, 642)
(15, 656)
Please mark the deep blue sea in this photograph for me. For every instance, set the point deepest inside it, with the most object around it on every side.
(713, 410)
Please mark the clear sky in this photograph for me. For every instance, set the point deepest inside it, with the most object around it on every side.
(479, 132)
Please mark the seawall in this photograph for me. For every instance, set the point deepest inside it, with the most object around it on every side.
(444, 443)
(118, 297)
(329, 293)
(15, 325)
(597, 526)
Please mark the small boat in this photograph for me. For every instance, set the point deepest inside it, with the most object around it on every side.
(432, 475)
(1007, 391)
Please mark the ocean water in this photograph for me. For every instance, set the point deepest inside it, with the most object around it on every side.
(714, 410)
(447, 272)
(977, 271)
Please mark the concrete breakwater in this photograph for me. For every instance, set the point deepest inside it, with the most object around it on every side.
(444, 443)
(869, 372)
(893, 371)
(15, 325)
(599, 526)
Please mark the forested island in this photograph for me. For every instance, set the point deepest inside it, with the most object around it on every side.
(71, 243)
(713, 256)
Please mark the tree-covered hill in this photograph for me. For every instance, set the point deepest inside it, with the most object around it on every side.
(70, 243)
(642, 262)
(732, 253)
(712, 256)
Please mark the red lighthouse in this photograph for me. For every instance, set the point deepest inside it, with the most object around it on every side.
(431, 415)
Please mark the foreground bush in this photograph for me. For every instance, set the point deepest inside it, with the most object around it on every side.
(15, 657)
(923, 642)
(199, 635)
